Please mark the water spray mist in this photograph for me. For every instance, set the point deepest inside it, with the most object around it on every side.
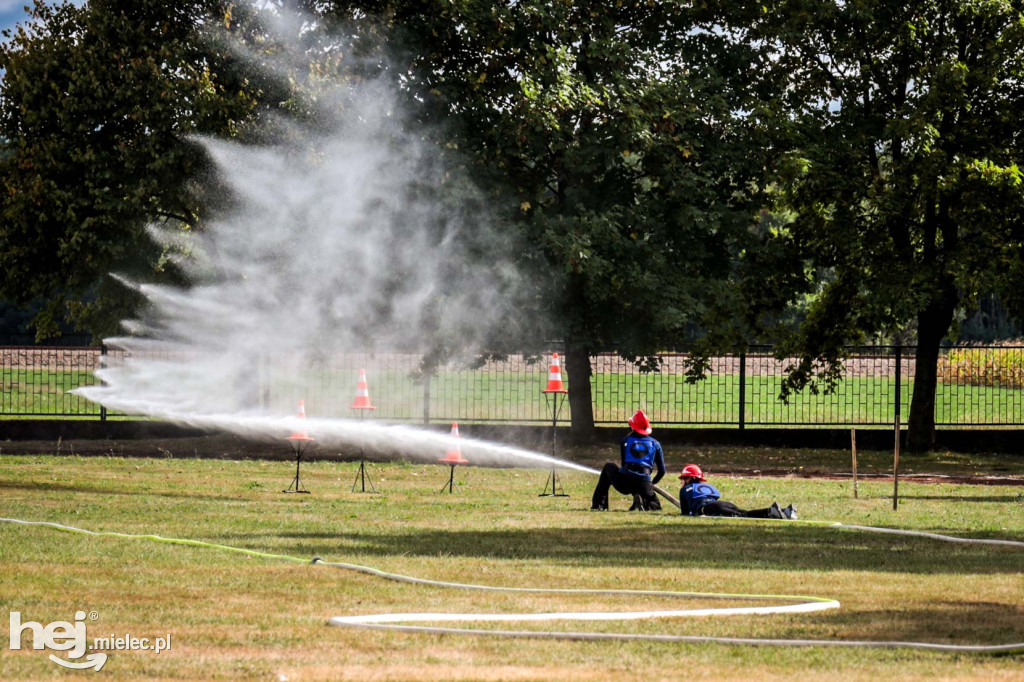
(343, 238)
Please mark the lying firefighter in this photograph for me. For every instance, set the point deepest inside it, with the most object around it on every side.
(697, 497)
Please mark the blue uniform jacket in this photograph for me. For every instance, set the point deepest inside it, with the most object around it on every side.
(641, 455)
(696, 494)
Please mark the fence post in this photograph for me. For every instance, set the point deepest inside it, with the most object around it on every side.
(853, 449)
(743, 391)
(899, 380)
(426, 398)
(103, 364)
(896, 468)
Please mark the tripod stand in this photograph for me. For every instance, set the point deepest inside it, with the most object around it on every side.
(299, 443)
(362, 478)
(557, 400)
(451, 484)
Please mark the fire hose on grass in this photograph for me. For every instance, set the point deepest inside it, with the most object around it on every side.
(668, 497)
(394, 622)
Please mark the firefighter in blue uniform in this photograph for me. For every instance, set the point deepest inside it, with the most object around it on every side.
(697, 497)
(641, 455)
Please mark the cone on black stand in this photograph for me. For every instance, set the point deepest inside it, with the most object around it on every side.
(451, 458)
(360, 404)
(299, 441)
(556, 389)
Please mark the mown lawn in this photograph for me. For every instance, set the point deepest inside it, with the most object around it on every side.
(231, 616)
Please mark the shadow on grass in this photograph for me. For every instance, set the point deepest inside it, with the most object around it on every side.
(958, 622)
(707, 547)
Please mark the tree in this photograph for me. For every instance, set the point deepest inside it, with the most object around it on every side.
(98, 107)
(616, 130)
(901, 123)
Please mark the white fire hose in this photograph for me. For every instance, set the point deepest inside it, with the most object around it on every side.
(391, 621)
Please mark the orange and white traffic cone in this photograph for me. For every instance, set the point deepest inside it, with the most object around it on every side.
(454, 454)
(451, 458)
(362, 399)
(300, 435)
(555, 384)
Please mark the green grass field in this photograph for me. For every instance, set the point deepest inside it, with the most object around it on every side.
(232, 616)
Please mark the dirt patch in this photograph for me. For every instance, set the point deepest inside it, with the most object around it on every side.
(912, 478)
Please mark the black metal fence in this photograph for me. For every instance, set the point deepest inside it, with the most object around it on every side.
(978, 386)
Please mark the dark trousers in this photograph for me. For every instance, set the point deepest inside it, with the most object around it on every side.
(723, 508)
(626, 483)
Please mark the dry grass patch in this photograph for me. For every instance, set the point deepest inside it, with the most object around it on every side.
(237, 617)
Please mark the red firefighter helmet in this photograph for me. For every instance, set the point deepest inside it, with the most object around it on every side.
(692, 471)
(639, 423)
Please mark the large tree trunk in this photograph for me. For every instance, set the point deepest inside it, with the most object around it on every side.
(932, 326)
(581, 402)
(921, 425)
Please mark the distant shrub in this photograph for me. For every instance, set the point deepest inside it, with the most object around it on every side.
(1001, 366)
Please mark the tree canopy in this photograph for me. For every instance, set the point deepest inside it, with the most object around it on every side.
(673, 167)
(899, 170)
(97, 109)
(616, 129)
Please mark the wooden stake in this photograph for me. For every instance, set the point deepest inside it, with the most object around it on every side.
(896, 467)
(853, 448)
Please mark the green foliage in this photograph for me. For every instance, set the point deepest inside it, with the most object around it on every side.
(611, 136)
(989, 322)
(674, 169)
(613, 129)
(900, 171)
(99, 106)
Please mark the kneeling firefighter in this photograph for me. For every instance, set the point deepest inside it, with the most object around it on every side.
(640, 456)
